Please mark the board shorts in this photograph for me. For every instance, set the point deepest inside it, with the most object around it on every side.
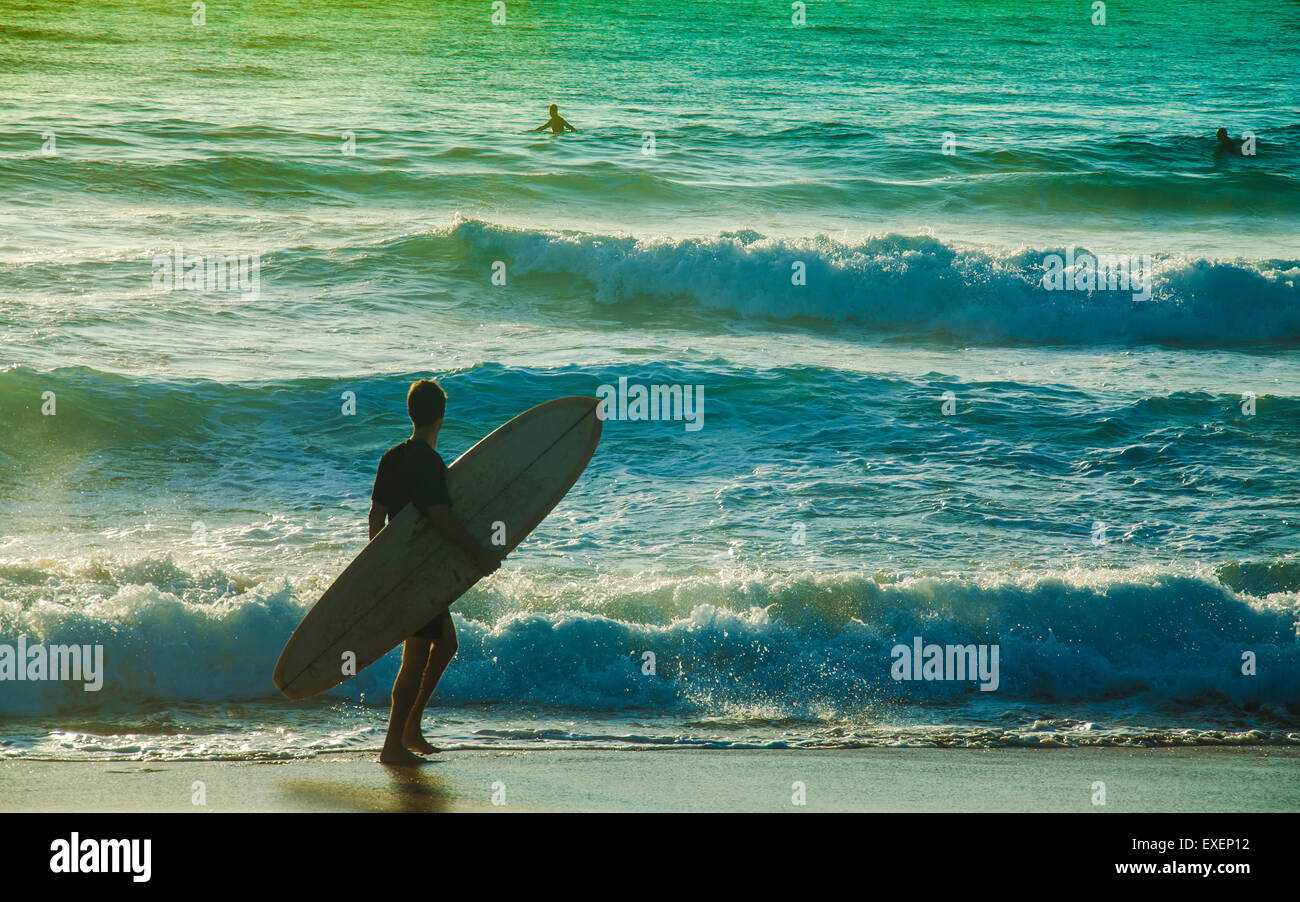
(433, 629)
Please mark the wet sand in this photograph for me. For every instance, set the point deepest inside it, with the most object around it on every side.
(1003, 780)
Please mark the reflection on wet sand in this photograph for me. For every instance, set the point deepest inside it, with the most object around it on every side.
(408, 789)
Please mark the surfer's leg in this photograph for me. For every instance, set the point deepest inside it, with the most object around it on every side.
(406, 688)
(440, 655)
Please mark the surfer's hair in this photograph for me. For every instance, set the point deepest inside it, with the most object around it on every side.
(426, 402)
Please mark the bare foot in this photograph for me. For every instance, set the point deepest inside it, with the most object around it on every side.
(398, 755)
(417, 742)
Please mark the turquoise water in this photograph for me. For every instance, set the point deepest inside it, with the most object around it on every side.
(199, 484)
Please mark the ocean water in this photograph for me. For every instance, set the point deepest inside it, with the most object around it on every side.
(918, 439)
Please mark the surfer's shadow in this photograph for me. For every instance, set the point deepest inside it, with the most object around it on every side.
(410, 789)
(418, 783)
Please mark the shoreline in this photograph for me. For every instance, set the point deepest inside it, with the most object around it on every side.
(1219, 779)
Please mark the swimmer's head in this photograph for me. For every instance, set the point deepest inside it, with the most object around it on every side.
(554, 109)
(1222, 134)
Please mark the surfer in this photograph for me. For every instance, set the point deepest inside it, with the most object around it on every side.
(557, 123)
(1226, 144)
(414, 473)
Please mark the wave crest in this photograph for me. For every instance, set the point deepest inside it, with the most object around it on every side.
(791, 646)
(905, 285)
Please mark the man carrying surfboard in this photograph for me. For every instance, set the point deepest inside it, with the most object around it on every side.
(414, 473)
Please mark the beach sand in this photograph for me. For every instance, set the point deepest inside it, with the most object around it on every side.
(1001, 780)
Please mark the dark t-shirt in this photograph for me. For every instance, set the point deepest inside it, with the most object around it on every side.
(410, 472)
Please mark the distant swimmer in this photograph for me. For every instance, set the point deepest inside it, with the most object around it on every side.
(1226, 144)
(557, 123)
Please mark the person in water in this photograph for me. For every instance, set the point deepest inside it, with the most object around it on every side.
(1226, 144)
(414, 473)
(557, 123)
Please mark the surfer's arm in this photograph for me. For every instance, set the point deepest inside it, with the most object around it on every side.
(377, 514)
(445, 524)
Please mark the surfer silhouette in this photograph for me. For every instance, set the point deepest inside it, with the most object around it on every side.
(414, 473)
(557, 123)
(1226, 144)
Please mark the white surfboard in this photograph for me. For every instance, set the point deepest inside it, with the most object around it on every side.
(408, 574)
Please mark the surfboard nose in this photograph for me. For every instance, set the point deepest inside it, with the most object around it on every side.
(579, 401)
